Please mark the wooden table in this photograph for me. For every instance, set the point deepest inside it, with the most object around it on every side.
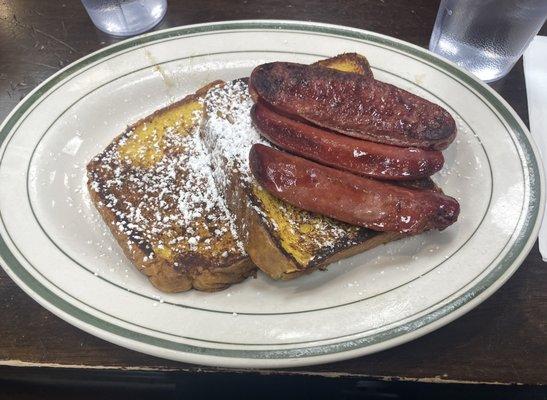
(502, 341)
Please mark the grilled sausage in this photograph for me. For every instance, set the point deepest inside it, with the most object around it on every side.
(350, 198)
(353, 104)
(362, 157)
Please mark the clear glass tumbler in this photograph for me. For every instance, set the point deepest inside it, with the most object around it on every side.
(125, 17)
(486, 37)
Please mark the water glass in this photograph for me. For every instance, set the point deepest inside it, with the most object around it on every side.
(486, 37)
(125, 17)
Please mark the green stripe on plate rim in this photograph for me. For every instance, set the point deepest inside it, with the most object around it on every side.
(522, 244)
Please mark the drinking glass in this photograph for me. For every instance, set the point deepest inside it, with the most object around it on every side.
(486, 37)
(125, 17)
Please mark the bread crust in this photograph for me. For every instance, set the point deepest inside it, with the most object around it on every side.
(167, 275)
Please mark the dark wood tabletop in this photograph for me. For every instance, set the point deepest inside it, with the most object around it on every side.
(504, 340)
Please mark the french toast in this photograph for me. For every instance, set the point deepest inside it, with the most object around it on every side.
(153, 187)
(348, 62)
(283, 241)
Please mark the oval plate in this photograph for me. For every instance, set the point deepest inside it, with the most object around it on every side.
(56, 247)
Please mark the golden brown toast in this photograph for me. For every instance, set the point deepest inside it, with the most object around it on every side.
(348, 62)
(153, 187)
(282, 240)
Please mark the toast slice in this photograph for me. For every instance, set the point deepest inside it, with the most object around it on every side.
(283, 241)
(153, 186)
(348, 62)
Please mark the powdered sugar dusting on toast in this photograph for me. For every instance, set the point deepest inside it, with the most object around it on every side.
(173, 207)
(229, 131)
(199, 195)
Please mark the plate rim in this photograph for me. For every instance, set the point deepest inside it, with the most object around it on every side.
(303, 356)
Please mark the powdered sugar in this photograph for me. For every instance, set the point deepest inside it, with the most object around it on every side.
(228, 131)
(199, 195)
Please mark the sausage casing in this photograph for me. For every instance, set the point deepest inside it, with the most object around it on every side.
(350, 198)
(353, 104)
(362, 157)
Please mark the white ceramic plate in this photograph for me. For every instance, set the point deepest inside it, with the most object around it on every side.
(55, 246)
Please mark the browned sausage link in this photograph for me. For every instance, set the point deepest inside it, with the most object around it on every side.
(350, 198)
(353, 105)
(362, 157)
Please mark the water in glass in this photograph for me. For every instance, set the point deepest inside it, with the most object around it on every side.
(125, 17)
(486, 37)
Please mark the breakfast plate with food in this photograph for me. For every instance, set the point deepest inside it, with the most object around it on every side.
(264, 193)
